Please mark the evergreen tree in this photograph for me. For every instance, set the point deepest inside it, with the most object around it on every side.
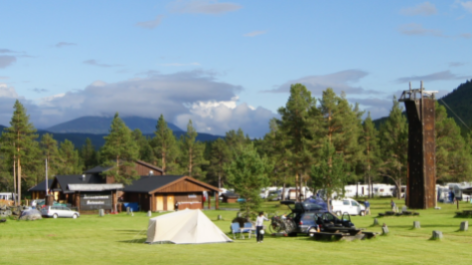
(393, 136)
(236, 141)
(19, 143)
(165, 147)
(453, 158)
(247, 174)
(370, 155)
(331, 174)
(88, 155)
(145, 149)
(192, 153)
(296, 130)
(120, 151)
(341, 126)
(51, 153)
(220, 157)
(70, 160)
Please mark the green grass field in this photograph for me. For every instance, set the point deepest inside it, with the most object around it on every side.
(118, 239)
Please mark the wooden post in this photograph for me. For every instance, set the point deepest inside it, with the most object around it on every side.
(209, 201)
(217, 199)
(77, 200)
(151, 203)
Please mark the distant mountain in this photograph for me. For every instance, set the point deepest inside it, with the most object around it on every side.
(458, 106)
(460, 101)
(78, 139)
(101, 125)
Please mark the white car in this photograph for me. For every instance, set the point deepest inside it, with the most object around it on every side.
(59, 211)
(347, 205)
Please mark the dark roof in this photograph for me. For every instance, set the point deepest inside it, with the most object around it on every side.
(97, 169)
(230, 194)
(149, 165)
(42, 186)
(64, 181)
(150, 183)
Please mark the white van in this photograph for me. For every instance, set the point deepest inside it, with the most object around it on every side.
(347, 205)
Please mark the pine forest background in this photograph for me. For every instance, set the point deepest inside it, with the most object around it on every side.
(320, 142)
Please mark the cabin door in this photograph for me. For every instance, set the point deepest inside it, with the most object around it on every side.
(159, 203)
(170, 202)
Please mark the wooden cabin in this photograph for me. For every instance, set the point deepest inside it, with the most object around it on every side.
(165, 193)
(86, 192)
(39, 191)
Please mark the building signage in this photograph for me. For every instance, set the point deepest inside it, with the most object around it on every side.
(94, 201)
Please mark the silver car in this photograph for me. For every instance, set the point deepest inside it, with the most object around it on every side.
(59, 211)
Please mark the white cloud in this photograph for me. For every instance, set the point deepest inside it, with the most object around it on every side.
(425, 9)
(7, 92)
(438, 76)
(339, 81)
(64, 44)
(96, 63)
(254, 33)
(212, 105)
(203, 7)
(414, 29)
(151, 24)
(467, 5)
(6, 61)
(181, 64)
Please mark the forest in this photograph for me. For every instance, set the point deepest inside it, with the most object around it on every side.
(324, 143)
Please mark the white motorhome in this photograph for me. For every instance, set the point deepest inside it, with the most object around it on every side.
(291, 193)
(8, 196)
(265, 192)
(347, 205)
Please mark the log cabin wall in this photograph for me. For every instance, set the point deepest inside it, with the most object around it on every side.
(143, 170)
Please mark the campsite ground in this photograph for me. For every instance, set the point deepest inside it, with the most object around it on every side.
(118, 239)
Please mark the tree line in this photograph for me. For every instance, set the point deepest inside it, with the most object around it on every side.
(321, 143)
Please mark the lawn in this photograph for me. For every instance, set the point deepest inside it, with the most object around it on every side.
(118, 239)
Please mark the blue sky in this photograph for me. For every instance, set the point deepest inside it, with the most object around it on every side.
(224, 64)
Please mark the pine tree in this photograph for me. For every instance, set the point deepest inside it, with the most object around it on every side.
(70, 160)
(88, 155)
(192, 153)
(370, 155)
(165, 146)
(51, 153)
(296, 129)
(393, 137)
(247, 174)
(236, 141)
(120, 151)
(453, 158)
(341, 126)
(145, 149)
(19, 143)
(331, 174)
(219, 159)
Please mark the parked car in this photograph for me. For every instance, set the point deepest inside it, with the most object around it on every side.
(307, 218)
(59, 211)
(347, 205)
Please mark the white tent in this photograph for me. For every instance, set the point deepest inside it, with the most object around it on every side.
(184, 227)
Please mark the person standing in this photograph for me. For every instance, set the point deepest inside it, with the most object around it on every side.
(394, 206)
(367, 207)
(260, 227)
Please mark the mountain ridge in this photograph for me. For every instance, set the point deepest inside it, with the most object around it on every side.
(101, 125)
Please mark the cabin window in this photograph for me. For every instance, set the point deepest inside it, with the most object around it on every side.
(192, 195)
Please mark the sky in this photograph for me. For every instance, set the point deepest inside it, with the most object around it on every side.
(223, 64)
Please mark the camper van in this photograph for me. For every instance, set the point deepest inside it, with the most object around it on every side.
(347, 205)
(8, 196)
(291, 193)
